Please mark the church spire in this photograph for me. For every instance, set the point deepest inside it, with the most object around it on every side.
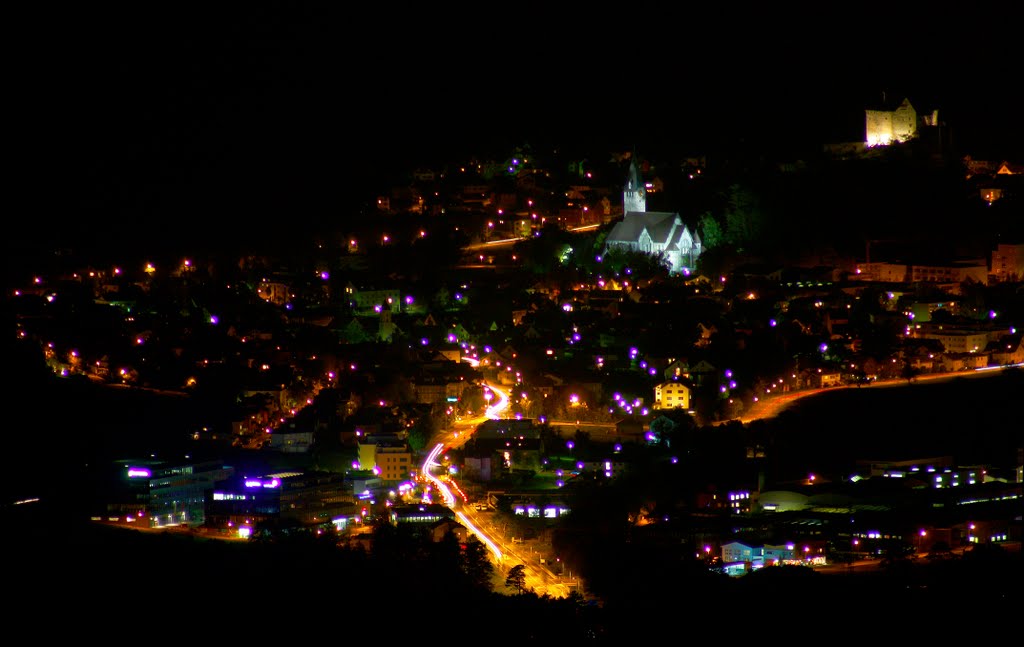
(634, 194)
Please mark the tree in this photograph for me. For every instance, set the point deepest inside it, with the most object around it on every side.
(445, 558)
(635, 264)
(516, 578)
(476, 564)
(711, 233)
(909, 372)
(743, 216)
(581, 439)
(662, 427)
(442, 298)
(421, 432)
(547, 251)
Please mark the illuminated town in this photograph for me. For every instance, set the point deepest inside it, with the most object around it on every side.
(589, 391)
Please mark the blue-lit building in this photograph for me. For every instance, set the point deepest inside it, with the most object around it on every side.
(311, 498)
(158, 493)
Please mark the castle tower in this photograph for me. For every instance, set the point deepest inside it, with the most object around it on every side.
(634, 195)
(889, 124)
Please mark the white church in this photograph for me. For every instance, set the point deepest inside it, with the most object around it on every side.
(652, 232)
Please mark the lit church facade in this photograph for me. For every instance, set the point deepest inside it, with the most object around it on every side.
(652, 232)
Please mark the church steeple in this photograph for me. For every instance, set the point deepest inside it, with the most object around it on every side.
(634, 195)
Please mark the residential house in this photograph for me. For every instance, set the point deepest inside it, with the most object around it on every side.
(631, 429)
(700, 372)
(676, 369)
(373, 301)
(502, 445)
(509, 352)
(273, 291)
(437, 390)
(457, 333)
(544, 386)
(439, 530)
(672, 395)
(532, 333)
(1010, 168)
(823, 379)
(923, 355)
(704, 334)
(352, 331)
(289, 440)
(1007, 350)
(1008, 263)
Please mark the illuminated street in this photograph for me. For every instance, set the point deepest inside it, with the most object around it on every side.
(769, 407)
(506, 552)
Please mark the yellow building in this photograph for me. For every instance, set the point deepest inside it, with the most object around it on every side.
(391, 459)
(671, 395)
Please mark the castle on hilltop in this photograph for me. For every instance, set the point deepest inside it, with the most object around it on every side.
(889, 123)
(886, 125)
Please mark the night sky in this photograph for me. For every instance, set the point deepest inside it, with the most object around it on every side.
(131, 124)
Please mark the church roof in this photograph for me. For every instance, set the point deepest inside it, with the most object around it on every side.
(661, 226)
(628, 229)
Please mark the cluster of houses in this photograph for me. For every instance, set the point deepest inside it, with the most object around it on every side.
(605, 349)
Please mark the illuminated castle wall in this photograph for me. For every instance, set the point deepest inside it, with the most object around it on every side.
(884, 127)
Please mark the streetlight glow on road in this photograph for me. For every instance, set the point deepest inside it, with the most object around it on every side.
(449, 499)
(494, 411)
(480, 535)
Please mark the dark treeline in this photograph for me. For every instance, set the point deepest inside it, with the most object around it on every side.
(68, 577)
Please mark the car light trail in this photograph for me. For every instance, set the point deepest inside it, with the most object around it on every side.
(449, 499)
(494, 411)
(430, 462)
(480, 535)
